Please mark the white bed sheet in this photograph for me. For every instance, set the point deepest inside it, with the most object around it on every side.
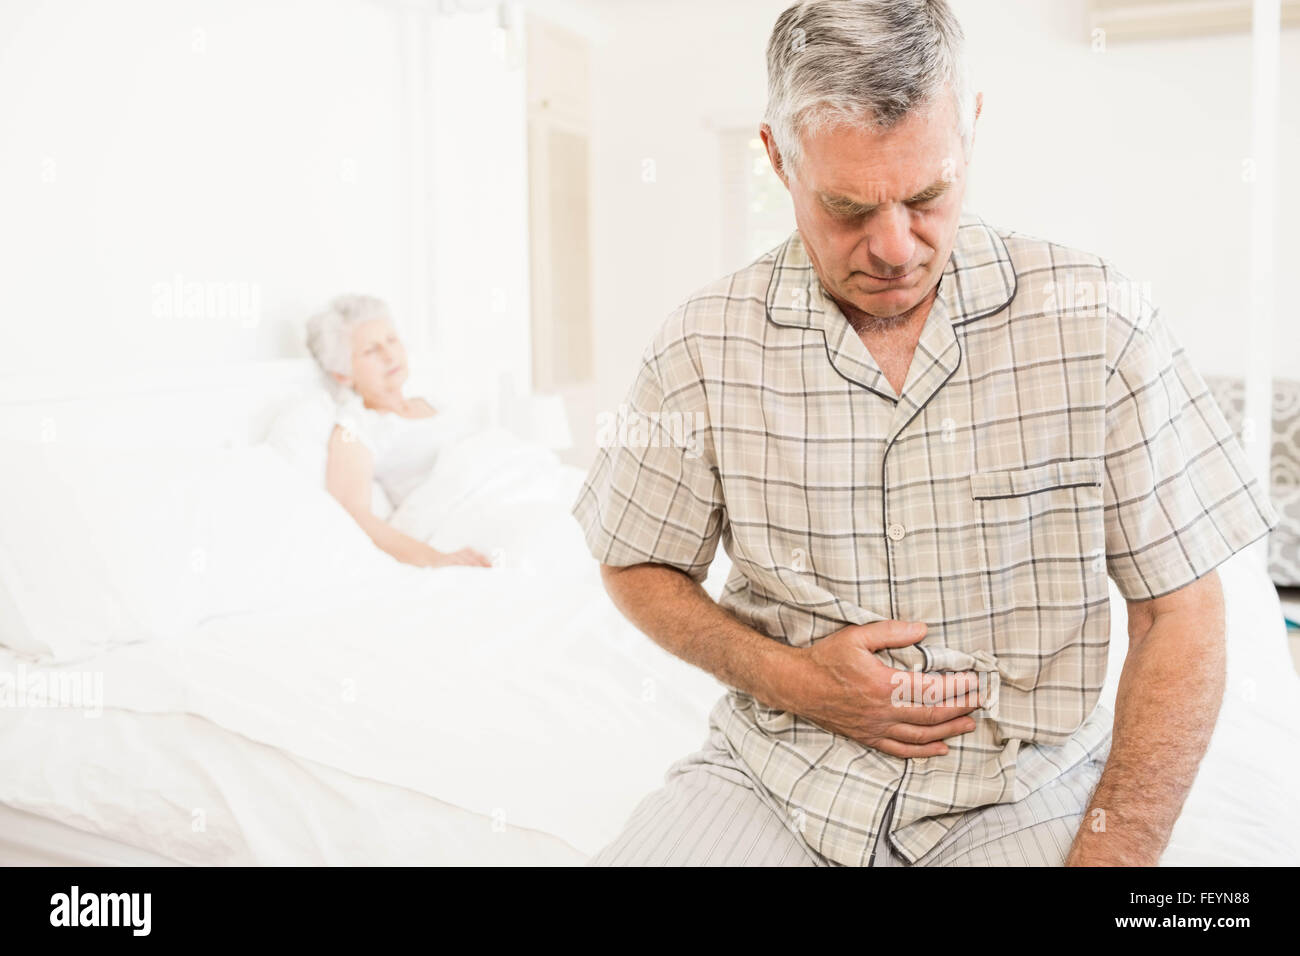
(30, 840)
(1244, 805)
(156, 789)
(493, 691)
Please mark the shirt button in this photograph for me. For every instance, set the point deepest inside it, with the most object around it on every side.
(896, 532)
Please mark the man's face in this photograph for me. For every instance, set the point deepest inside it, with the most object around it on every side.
(879, 210)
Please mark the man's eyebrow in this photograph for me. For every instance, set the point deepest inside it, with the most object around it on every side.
(843, 204)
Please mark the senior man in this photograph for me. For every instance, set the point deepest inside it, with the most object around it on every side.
(924, 443)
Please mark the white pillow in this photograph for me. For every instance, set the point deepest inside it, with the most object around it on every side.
(103, 546)
(301, 434)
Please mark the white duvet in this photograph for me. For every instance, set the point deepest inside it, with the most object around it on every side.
(519, 692)
(492, 691)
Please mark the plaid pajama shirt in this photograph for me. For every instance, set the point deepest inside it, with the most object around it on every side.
(1050, 431)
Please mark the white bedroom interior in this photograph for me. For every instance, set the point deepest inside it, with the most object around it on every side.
(376, 170)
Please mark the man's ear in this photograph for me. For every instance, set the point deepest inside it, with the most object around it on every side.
(773, 154)
(974, 125)
(342, 379)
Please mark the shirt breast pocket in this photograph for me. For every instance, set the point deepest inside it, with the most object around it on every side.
(1043, 536)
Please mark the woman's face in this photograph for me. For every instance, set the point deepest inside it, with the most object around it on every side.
(378, 359)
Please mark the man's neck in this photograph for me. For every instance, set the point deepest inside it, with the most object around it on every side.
(874, 326)
(891, 340)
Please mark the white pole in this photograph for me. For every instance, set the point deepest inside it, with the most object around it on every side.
(414, 24)
(1258, 415)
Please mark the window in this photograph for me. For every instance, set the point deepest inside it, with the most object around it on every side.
(757, 214)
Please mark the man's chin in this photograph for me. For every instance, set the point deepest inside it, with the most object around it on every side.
(884, 307)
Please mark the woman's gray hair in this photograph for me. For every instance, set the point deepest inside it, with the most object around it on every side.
(865, 62)
(329, 333)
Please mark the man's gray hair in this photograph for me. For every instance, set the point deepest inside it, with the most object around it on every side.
(329, 333)
(863, 62)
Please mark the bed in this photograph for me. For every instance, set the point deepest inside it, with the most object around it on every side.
(241, 678)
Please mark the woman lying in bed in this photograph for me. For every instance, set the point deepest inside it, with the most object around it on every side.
(380, 434)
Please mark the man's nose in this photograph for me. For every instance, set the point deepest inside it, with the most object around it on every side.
(889, 237)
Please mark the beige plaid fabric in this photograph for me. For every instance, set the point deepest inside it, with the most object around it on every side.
(1050, 431)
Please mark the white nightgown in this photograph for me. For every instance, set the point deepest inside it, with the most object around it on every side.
(404, 449)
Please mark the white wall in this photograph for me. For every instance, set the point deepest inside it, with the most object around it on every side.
(293, 148)
(1134, 153)
(298, 148)
(478, 205)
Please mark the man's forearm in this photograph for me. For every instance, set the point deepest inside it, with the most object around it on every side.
(678, 615)
(1168, 700)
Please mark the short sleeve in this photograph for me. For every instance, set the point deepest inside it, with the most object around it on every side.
(1180, 497)
(357, 423)
(653, 493)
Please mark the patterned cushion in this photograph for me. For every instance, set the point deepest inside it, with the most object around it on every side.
(1284, 542)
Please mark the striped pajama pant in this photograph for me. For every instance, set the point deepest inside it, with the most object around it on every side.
(711, 813)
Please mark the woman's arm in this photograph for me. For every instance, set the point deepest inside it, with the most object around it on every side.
(349, 471)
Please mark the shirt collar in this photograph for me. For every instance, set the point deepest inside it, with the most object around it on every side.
(979, 280)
